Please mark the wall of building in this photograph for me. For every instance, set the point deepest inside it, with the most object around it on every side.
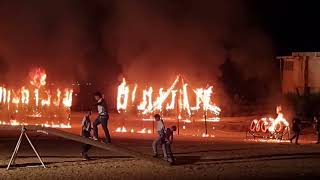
(294, 76)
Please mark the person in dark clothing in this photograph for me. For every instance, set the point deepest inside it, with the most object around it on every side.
(166, 144)
(85, 132)
(103, 117)
(296, 128)
(317, 128)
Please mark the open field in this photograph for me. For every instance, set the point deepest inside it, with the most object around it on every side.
(227, 155)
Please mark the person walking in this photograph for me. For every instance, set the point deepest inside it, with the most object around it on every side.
(296, 128)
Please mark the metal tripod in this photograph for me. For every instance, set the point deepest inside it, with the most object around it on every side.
(16, 149)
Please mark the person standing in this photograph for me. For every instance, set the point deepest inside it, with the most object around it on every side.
(161, 132)
(103, 117)
(296, 128)
(317, 128)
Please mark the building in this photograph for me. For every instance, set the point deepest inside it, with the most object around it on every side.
(300, 72)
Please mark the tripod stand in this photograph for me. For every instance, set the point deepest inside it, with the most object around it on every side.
(16, 149)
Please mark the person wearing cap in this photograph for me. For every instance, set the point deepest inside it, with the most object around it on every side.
(160, 128)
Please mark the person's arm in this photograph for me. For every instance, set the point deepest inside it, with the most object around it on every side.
(82, 124)
(171, 137)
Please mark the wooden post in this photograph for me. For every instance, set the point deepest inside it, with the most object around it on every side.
(205, 122)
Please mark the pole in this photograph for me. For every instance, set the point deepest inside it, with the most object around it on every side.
(153, 126)
(178, 125)
(205, 122)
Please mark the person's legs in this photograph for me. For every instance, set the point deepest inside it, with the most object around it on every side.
(164, 150)
(104, 123)
(95, 128)
(169, 153)
(85, 147)
(294, 136)
(155, 145)
(297, 137)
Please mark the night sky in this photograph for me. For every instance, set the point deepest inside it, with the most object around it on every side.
(293, 25)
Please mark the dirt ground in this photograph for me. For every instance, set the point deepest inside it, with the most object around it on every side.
(197, 158)
(227, 155)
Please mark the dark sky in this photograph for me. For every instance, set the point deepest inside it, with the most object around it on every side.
(293, 25)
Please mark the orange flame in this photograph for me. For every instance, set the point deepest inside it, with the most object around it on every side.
(123, 94)
(38, 77)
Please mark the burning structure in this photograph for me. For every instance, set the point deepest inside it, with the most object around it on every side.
(173, 101)
(35, 103)
(268, 127)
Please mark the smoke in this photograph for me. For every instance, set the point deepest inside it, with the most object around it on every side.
(155, 40)
(148, 40)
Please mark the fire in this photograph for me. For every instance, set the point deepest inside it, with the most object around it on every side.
(166, 99)
(28, 101)
(121, 129)
(122, 98)
(38, 77)
(270, 124)
(67, 99)
(56, 102)
(145, 131)
(47, 101)
(173, 100)
(278, 121)
(134, 93)
(25, 95)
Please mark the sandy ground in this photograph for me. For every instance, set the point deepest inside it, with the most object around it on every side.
(227, 156)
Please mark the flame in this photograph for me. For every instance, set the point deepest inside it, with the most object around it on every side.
(25, 95)
(280, 119)
(36, 96)
(145, 131)
(164, 95)
(1, 93)
(134, 93)
(148, 105)
(46, 102)
(186, 105)
(26, 100)
(67, 99)
(38, 77)
(123, 94)
(270, 124)
(16, 98)
(173, 99)
(56, 102)
(146, 100)
(121, 129)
